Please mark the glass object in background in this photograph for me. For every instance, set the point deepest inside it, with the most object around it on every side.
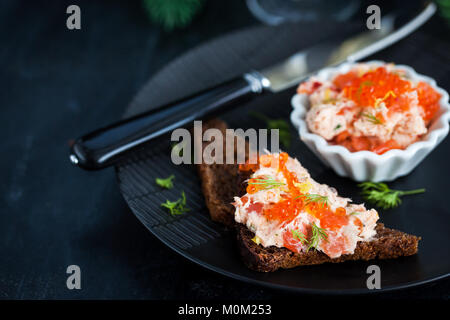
(274, 12)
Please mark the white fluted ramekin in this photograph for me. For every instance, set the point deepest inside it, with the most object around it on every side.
(366, 165)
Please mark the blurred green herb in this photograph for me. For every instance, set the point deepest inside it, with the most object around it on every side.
(172, 14)
(444, 9)
(280, 124)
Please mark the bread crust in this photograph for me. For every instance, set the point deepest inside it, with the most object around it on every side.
(387, 244)
(221, 182)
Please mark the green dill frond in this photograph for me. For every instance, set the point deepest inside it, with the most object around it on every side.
(311, 197)
(317, 235)
(165, 183)
(299, 236)
(266, 183)
(176, 207)
(372, 118)
(382, 196)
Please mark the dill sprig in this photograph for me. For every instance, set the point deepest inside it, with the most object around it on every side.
(266, 183)
(280, 124)
(382, 196)
(312, 197)
(176, 207)
(299, 236)
(372, 118)
(318, 233)
(165, 183)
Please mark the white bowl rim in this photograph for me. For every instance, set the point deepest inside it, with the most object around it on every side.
(429, 142)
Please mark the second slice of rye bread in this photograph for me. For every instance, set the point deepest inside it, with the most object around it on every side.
(221, 182)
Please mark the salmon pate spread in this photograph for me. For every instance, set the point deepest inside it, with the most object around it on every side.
(285, 207)
(374, 108)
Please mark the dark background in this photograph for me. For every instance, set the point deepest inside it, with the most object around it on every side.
(58, 84)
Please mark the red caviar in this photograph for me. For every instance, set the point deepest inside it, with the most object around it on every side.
(378, 84)
(428, 99)
(382, 85)
(285, 210)
(328, 219)
(252, 188)
(293, 203)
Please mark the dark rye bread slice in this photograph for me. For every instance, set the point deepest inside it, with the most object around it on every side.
(387, 244)
(220, 183)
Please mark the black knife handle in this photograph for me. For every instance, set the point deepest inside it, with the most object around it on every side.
(103, 147)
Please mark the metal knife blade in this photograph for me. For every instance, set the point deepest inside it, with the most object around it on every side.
(301, 65)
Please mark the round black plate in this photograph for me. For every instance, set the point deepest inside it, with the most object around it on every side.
(194, 236)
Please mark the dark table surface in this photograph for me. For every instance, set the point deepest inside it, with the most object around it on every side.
(58, 84)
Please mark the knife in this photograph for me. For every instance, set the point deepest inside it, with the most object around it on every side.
(105, 146)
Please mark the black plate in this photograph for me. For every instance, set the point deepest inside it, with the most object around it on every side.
(195, 237)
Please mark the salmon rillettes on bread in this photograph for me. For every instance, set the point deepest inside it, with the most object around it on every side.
(314, 236)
